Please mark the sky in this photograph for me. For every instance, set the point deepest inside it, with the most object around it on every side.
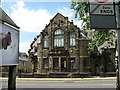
(33, 15)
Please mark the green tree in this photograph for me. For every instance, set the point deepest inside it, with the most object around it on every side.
(99, 35)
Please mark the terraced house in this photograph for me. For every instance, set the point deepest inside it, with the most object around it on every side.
(60, 48)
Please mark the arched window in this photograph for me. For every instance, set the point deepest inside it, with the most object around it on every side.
(59, 38)
(72, 38)
(45, 41)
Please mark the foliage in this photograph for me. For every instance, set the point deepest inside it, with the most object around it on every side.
(82, 12)
(99, 36)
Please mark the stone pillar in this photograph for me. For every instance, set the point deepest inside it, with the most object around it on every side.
(32, 66)
(77, 51)
(41, 64)
(68, 64)
(59, 64)
(66, 43)
(51, 64)
(77, 61)
(39, 69)
(51, 36)
(81, 64)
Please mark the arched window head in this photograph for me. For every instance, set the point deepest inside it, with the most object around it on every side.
(59, 38)
(58, 32)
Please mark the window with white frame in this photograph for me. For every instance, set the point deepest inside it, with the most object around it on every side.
(58, 38)
(72, 38)
(45, 41)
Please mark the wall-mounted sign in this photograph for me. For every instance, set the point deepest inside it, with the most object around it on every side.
(9, 45)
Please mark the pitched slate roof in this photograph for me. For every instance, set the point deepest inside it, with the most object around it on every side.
(5, 18)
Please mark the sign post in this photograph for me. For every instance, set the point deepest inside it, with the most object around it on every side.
(118, 45)
(105, 14)
(12, 78)
(118, 69)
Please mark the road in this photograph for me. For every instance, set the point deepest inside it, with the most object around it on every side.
(67, 83)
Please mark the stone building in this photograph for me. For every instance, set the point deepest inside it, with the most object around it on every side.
(104, 58)
(61, 47)
(24, 65)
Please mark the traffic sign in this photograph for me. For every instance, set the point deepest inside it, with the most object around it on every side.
(102, 9)
(101, 1)
(103, 14)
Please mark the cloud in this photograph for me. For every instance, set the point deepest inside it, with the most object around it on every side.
(78, 23)
(66, 12)
(24, 46)
(29, 20)
(35, 20)
(70, 14)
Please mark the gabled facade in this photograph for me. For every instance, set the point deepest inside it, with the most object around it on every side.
(61, 47)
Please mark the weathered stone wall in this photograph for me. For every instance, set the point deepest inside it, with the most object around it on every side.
(24, 67)
(66, 52)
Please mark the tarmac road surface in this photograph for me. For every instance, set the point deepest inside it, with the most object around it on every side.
(105, 83)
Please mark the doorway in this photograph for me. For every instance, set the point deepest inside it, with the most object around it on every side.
(97, 69)
(63, 64)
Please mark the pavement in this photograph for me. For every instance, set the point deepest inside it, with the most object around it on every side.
(64, 79)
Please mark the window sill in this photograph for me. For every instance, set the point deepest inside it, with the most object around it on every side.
(59, 47)
(45, 68)
(72, 46)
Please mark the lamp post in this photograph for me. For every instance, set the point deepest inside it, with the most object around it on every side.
(118, 64)
(118, 44)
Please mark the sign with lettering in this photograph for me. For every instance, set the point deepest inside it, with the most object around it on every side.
(102, 1)
(102, 9)
(103, 14)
